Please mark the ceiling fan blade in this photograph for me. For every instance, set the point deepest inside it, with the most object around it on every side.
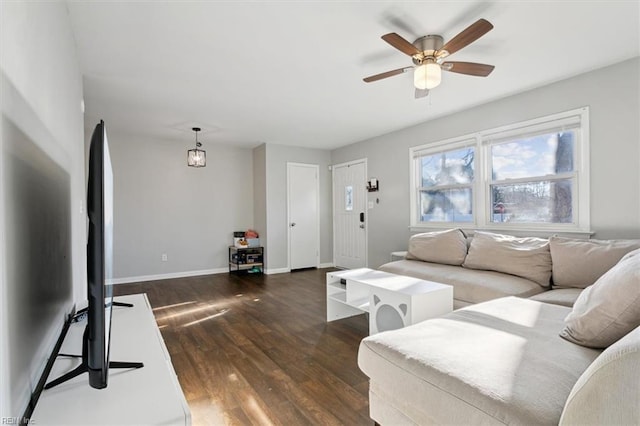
(401, 44)
(469, 68)
(385, 74)
(421, 93)
(468, 36)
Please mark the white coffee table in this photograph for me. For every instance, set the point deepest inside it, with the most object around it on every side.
(392, 301)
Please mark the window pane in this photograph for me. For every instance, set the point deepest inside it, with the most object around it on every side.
(348, 198)
(530, 157)
(451, 205)
(537, 202)
(447, 168)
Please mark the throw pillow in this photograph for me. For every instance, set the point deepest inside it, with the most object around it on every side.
(447, 247)
(609, 309)
(579, 263)
(525, 257)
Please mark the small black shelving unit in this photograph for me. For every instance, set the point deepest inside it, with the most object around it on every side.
(248, 260)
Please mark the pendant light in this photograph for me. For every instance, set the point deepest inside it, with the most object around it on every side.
(197, 157)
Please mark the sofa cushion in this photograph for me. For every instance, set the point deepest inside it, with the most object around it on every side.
(469, 286)
(524, 257)
(478, 365)
(448, 247)
(609, 309)
(579, 263)
(561, 296)
(608, 391)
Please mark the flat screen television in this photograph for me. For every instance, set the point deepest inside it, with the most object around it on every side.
(99, 257)
(97, 334)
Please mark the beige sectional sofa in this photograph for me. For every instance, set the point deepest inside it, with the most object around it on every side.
(489, 266)
(515, 360)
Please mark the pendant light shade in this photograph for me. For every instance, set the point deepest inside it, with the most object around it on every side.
(197, 157)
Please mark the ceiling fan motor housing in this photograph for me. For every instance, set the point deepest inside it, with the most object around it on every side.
(428, 45)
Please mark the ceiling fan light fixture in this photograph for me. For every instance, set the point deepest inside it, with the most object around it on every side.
(428, 75)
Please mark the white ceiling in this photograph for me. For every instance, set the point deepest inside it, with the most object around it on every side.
(291, 72)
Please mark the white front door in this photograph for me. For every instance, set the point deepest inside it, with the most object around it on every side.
(349, 221)
(303, 195)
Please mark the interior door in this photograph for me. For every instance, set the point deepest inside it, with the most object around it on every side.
(349, 215)
(303, 194)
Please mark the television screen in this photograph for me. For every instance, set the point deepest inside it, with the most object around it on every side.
(99, 257)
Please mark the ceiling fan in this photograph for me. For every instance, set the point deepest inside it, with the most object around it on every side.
(428, 54)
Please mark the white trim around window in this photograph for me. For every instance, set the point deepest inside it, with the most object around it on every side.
(499, 187)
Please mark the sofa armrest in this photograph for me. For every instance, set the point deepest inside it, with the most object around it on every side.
(608, 391)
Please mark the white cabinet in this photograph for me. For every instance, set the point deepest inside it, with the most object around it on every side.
(150, 395)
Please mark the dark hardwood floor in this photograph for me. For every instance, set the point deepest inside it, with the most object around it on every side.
(252, 349)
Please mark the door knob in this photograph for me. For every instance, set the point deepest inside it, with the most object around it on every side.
(293, 224)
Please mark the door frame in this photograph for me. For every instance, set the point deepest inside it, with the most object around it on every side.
(366, 205)
(317, 218)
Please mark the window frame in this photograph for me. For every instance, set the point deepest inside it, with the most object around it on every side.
(482, 142)
(453, 144)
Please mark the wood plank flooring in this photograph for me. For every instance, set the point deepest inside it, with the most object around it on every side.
(256, 350)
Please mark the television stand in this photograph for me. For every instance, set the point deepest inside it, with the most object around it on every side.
(84, 365)
(142, 396)
(81, 312)
(84, 368)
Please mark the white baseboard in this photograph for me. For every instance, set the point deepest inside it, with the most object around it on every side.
(142, 278)
(285, 270)
(276, 271)
(184, 274)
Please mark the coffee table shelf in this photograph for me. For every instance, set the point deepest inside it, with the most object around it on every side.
(362, 304)
(340, 297)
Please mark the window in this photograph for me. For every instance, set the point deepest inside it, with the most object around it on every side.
(532, 179)
(445, 185)
(531, 175)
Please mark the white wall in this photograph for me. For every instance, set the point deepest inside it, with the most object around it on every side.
(260, 192)
(162, 206)
(41, 96)
(276, 160)
(612, 94)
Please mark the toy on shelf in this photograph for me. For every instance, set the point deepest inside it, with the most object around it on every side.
(241, 243)
(244, 239)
